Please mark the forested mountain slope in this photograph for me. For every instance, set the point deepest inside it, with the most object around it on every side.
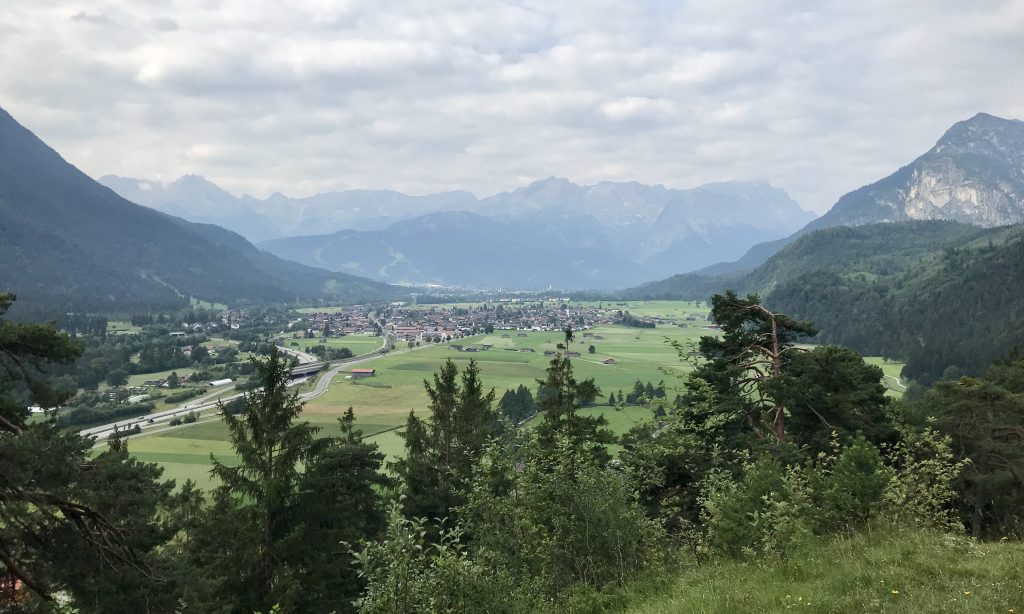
(70, 244)
(936, 294)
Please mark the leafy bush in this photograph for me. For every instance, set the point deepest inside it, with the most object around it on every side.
(84, 416)
(766, 512)
(184, 395)
(921, 491)
(558, 517)
(405, 573)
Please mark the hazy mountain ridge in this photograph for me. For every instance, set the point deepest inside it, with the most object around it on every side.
(71, 244)
(652, 229)
(465, 249)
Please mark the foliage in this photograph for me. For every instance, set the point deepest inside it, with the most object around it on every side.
(558, 397)
(984, 418)
(558, 518)
(921, 491)
(767, 511)
(441, 451)
(404, 572)
(89, 526)
(517, 405)
(275, 531)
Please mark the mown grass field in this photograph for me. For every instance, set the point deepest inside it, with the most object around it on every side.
(359, 344)
(383, 402)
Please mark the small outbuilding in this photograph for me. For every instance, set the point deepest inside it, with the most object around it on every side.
(609, 361)
(360, 373)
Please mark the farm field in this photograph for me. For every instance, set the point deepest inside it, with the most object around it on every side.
(359, 344)
(382, 403)
(892, 369)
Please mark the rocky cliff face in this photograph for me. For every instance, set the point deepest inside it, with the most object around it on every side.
(974, 175)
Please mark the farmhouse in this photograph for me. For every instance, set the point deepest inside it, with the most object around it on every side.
(360, 373)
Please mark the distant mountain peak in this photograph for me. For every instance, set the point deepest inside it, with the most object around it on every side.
(974, 174)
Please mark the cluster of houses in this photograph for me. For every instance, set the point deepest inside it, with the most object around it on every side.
(444, 323)
(350, 320)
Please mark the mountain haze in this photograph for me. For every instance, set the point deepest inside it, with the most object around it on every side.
(72, 244)
(611, 234)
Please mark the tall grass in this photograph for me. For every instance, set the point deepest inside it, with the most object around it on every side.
(883, 569)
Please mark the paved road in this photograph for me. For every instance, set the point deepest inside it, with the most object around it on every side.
(304, 358)
(156, 422)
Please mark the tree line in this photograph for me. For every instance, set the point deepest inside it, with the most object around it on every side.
(769, 445)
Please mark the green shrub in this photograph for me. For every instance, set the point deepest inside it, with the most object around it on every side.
(766, 512)
(189, 418)
(848, 487)
(921, 491)
(559, 518)
(405, 573)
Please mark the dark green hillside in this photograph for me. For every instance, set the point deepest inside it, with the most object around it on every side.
(72, 244)
(936, 294)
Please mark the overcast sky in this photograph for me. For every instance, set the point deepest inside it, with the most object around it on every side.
(420, 96)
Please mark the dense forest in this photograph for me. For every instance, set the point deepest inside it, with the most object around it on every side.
(944, 297)
(768, 449)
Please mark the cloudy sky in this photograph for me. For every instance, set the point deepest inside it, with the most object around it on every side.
(305, 96)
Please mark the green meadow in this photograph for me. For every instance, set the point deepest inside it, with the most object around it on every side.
(359, 344)
(382, 403)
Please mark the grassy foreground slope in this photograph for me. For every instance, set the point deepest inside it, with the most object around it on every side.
(884, 569)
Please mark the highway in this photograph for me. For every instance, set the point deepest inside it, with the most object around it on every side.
(159, 420)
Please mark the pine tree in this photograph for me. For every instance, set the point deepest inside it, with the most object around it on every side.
(558, 397)
(88, 525)
(441, 451)
(244, 549)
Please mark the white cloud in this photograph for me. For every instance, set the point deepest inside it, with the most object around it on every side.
(421, 95)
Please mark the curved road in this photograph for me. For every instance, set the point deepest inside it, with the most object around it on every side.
(158, 419)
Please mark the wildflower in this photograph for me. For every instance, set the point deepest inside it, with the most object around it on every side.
(895, 592)
(967, 593)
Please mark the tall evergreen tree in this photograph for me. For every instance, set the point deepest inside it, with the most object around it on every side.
(747, 357)
(441, 451)
(559, 395)
(245, 543)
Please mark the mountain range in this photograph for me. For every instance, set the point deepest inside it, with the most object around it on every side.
(71, 244)
(974, 174)
(551, 232)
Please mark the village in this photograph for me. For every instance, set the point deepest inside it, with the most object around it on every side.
(445, 323)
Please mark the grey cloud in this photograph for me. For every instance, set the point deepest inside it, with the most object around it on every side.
(165, 24)
(97, 19)
(310, 96)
